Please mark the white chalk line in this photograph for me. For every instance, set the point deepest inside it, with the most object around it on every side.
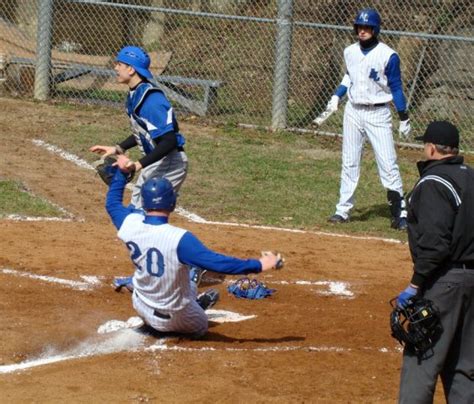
(198, 219)
(62, 153)
(127, 340)
(335, 288)
(22, 218)
(88, 283)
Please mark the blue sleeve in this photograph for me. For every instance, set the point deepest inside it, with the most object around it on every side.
(394, 77)
(156, 109)
(113, 202)
(341, 91)
(191, 251)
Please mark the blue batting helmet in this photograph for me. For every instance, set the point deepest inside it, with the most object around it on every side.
(370, 18)
(137, 58)
(158, 193)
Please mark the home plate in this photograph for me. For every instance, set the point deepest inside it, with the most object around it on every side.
(116, 325)
(217, 316)
(224, 316)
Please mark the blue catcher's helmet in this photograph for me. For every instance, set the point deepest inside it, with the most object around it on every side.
(137, 58)
(158, 193)
(369, 17)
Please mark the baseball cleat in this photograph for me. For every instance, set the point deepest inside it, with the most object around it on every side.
(196, 275)
(337, 219)
(208, 299)
(399, 223)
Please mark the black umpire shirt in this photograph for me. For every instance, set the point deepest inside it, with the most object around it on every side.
(441, 218)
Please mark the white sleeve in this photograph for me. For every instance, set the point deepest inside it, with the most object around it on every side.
(346, 81)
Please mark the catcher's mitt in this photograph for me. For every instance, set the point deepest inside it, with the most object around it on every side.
(106, 170)
(250, 289)
(417, 326)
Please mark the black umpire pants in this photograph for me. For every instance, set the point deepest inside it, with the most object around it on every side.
(453, 353)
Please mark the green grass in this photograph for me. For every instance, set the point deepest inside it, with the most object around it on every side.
(252, 176)
(15, 199)
(282, 180)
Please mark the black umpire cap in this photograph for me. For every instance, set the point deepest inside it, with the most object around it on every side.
(442, 133)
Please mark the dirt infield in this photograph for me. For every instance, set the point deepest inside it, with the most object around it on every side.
(310, 342)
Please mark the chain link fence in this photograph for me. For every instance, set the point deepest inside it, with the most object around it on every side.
(272, 63)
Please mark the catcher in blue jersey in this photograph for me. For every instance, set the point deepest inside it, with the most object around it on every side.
(164, 295)
(154, 126)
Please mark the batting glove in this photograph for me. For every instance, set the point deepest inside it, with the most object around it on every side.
(333, 104)
(404, 297)
(405, 128)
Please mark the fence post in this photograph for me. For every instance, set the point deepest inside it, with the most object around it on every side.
(43, 50)
(282, 65)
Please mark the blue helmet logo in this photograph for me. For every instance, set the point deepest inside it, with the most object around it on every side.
(158, 194)
(370, 18)
(137, 58)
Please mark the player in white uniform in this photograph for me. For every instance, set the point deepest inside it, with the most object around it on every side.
(163, 294)
(372, 81)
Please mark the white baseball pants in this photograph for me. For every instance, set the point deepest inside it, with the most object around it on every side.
(375, 123)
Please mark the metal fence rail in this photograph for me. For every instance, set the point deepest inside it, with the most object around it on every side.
(269, 63)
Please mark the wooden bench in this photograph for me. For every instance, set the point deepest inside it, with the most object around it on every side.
(104, 78)
(80, 71)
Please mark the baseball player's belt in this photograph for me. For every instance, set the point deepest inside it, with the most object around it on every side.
(382, 104)
(161, 315)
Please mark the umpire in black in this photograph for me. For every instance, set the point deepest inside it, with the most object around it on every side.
(441, 240)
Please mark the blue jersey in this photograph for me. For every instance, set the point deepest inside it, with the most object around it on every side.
(151, 116)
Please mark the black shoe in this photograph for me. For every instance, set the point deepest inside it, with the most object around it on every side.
(336, 219)
(399, 223)
(208, 299)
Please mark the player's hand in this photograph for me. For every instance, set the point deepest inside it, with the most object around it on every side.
(333, 104)
(126, 165)
(403, 298)
(271, 260)
(405, 128)
(103, 150)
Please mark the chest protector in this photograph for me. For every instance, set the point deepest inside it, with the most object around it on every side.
(140, 126)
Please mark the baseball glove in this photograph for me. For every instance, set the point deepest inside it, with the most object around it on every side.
(106, 169)
(250, 289)
(417, 326)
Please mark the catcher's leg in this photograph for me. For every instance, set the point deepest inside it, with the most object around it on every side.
(174, 167)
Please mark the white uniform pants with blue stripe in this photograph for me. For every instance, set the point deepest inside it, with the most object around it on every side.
(375, 124)
(174, 167)
(192, 319)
